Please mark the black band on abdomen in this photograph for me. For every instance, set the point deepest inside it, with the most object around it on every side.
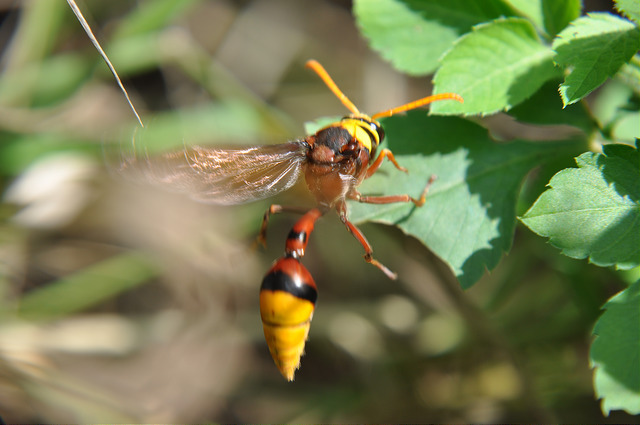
(278, 280)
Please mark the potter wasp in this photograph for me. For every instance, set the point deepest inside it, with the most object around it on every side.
(334, 161)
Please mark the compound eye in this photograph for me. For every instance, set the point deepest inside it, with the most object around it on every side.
(378, 129)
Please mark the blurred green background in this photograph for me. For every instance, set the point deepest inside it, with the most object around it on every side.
(120, 302)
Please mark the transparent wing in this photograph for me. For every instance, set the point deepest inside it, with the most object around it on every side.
(224, 176)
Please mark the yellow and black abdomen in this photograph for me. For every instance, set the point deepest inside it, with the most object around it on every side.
(287, 299)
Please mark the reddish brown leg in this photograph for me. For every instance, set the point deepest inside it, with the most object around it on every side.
(368, 250)
(390, 199)
(274, 209)
(384, 153)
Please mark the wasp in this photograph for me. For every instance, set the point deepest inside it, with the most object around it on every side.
(335, 160)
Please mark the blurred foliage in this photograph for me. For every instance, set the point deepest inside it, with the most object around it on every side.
(119, 302)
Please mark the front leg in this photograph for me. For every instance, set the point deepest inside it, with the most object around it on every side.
(384, 153)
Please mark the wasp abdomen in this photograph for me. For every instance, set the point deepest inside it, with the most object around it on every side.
(287, 300)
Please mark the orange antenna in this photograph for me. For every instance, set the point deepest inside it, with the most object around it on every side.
(324, 75)
(418, 103)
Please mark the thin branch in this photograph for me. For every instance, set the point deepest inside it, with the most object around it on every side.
(95, 42)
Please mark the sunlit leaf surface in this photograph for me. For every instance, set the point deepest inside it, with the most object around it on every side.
(469, 216)
(413, 35)
(496, 66)
(594, 211)
(594, 47)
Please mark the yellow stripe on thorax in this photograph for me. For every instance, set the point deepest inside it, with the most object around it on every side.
(361, 132)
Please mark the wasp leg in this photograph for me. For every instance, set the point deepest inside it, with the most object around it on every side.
(384, 153)
(274, 209)
(390, 199)
(357, 233)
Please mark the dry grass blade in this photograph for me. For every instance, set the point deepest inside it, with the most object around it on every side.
(95, 42)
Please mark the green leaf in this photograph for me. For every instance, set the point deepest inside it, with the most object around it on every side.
(615, 353)
(630, 8)
(469, 217)
(87, 287)
(558, 13)
(617, 111)
(413, 34)
(531, 9)
(594, 210)
(545, 108)
(627, 127)
(594, 47)
(496, 66)
(549, 15)
(612, 98)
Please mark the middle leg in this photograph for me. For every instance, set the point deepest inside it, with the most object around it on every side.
(390, 199)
